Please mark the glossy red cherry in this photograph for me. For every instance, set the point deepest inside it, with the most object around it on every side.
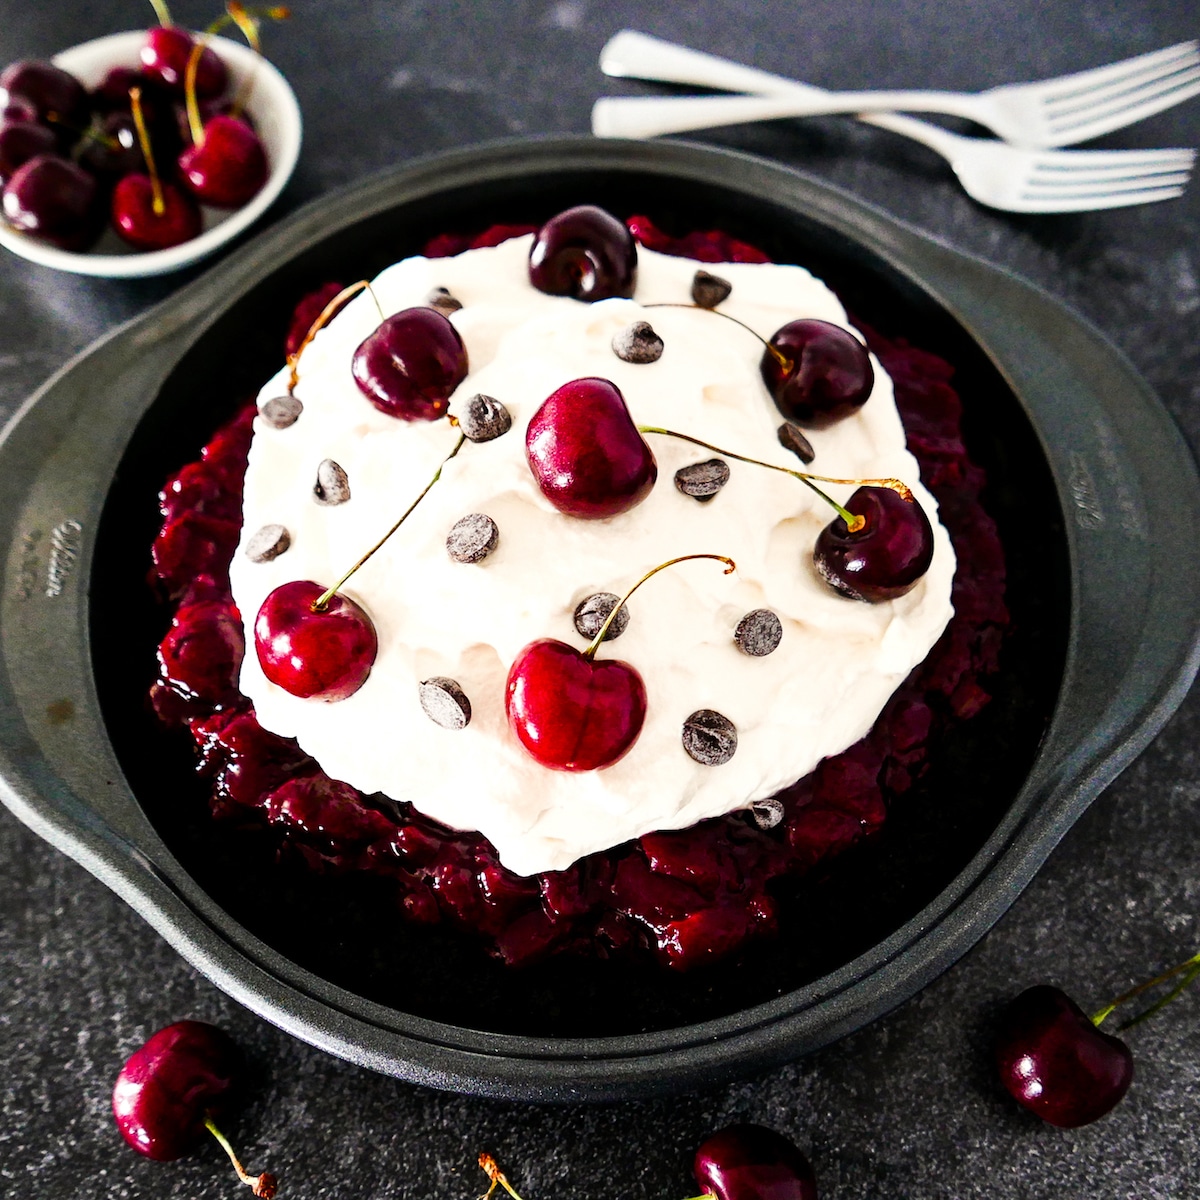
(229, 167)
(1054, 1061)
(585, 253)
(55, 96)
(324, 655)
(136, 219)
(183, 1074)
(826, 376)
(165, 58)
(586, 452)
(19, 142)
(751, 1162)
(111, 150)
(55, 200)
(410, 366)
(570, 712)
(886, 557)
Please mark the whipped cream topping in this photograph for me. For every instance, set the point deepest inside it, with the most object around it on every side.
(837, 664)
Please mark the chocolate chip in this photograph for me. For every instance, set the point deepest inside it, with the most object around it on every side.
(709, 290)
(703, 480)
(269, 542)
(638, 343)
(791, 438)
(281, 411)
(591, 613)
(767, 813)
(445, 703)
(709, 738)
(332, 486)
(484, 418)
(472, 538)
(758, 633)
(441, 299)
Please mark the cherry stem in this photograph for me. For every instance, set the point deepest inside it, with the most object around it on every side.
(854, 522)
(1189, 969)
(162, 13)
(263, 1185)
(590, 652)
(488, 1164)
(139, 121)
(774, 351)
(321, 603)
(326, 316)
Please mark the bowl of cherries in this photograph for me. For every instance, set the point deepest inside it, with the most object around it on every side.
(142, 152)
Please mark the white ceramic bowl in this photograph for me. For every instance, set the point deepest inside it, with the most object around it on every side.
(276, 113)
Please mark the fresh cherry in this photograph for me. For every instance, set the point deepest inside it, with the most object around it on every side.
(19, 142)
(585, 253)
(55, 96)
(316, 654)
(55, 200)
(411, 364)
(817, 372)
(586, 452)
(169, 1091)
(751, 1162)
(1055, 1061)
(883, 559)
(165, 59)
(571, 712)
(228, 166)
(111, 148)
(137, 217)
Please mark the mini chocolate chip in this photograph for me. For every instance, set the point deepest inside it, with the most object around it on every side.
(592, 612)
(703, 480)
(269, 542)
(767, 813)
(281, 411)
(709, 738)
(445, 703)
(791, 438)
(758, 633)
(709, 290)
(638, 343)
(472, 538)
(332, 486)
(484, 418)
(441, 299)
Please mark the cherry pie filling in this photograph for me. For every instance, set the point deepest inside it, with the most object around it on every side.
(688, 897)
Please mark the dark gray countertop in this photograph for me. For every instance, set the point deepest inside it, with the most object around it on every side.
(904, 1108)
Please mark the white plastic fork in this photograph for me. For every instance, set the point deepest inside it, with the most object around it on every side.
(998, 175)
(1051, 112)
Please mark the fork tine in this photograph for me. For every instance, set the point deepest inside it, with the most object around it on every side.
(1125, 89)
(1128, 110)
(1067, 86)
(1104, 187)
(1093, 203)
(1085, 160)
(1068, 171)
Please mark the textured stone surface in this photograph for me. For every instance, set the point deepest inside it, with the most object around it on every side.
(903, 1110)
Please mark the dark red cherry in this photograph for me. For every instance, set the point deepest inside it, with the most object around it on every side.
(410, 366)
(167, 1088)
(1054, 1061)
(56, 97)
(112, 148)
(585, 253)
(315, 655)
(55, 200)
(586, 453)
(165, 58)
(827, 376)
(886, 557)
(134, 216)
(570, 712)
(228, 168)
(19, 142)
(751, 1162)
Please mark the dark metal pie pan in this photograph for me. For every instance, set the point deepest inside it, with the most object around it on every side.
(1094, 491)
